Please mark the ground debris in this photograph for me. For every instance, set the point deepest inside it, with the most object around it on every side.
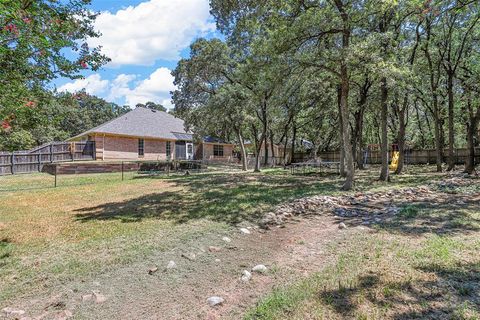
(260, 268)
(245, 231)
(12, 312)
(246, 276)
(214, 301)
(152, 270)
(367, 207)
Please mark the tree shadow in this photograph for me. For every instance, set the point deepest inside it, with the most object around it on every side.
(5, 250)
(443, 298)
(447, 216)
(222, 198)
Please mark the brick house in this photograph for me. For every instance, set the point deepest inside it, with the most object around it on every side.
(146, 134)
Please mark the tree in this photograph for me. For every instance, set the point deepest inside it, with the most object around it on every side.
(33, 39)
(209, 95)
(151, 105)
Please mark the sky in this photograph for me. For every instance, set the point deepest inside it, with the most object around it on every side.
(145, 39)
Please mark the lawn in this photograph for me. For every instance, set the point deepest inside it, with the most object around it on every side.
(93, 224)
(423, 264)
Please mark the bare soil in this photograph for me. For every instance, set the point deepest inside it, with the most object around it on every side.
(181, 293)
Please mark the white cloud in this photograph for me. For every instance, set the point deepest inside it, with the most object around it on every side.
(155, 88)
(92, 84)
(153, 30)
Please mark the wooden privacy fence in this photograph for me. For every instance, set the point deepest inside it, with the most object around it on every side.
(35, 159)
(411, 156)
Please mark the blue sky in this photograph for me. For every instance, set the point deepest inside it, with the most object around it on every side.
(145, 39)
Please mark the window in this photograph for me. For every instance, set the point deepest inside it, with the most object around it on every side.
(169, 149)
(217, 150)
(141, 147)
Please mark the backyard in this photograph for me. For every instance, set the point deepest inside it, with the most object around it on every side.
(99, 247)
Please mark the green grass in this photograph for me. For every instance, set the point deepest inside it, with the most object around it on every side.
(90, 224)
(93, 223)
(423, 264)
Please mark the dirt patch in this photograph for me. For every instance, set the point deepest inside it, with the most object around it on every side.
(181, 292)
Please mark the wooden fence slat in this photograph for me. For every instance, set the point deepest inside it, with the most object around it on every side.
(33, 161)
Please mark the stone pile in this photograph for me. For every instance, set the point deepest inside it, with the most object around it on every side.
(370, 207)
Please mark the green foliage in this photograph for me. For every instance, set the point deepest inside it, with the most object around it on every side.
(58, 117)
(17, 140)
(35, 37)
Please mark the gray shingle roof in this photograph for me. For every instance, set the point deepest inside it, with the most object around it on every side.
(143, 122)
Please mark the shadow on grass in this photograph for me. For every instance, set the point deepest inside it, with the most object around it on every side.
(454, 291)
(5, 250)
(229, 198)
(442, 216)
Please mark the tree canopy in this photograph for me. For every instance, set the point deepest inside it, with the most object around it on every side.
(339, 74)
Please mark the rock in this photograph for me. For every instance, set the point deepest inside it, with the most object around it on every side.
(63, 315)
(152, 270)
(215, 301)
(87, 297)
(218, 260)
(214, 249)
(246, 276)
(342, 225)
(12, 312)
(171, 265)
(227, 239)
(99, 298)
(245, 231)
(260, 268)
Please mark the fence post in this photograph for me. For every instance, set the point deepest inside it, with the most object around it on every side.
(56, 171)
(12, 162)
(51, 152)
(39, 156)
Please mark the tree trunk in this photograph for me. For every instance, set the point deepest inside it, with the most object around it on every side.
(451, 132)
(438, 142)
(263, 136)
(285, 154)
(401, 136)
(343, 172)
(347, 145)
(272, 148)
(257, 162)
(258, 149)
(243, 152)
(265, 151)
(344, 93)
(294, 137)
(472, 130)
(357, 139)
(384, 174)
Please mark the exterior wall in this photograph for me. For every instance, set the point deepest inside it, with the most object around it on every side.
(157, 149)
(227, 152)
(126, 148)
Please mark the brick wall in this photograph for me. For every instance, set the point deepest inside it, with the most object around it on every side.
(208, 152)
(117, 147)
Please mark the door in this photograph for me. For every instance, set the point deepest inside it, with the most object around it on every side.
(189, 151)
